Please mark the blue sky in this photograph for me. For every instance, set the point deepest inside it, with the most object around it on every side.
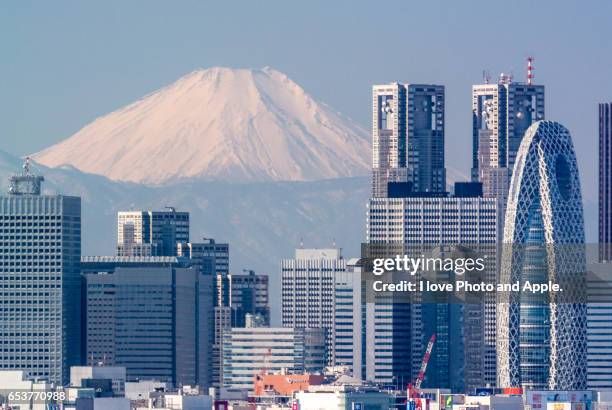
(65, 63)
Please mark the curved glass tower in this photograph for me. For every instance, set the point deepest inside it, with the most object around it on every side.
(541, 338)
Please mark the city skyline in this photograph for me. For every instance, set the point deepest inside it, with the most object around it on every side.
(73, 108)
(276, 238)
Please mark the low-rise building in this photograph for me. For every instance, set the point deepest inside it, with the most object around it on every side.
(343, 397)
(89, 376)
(179, 399)
(496, 402)
(15, 383)
(250, 351)
(102, 403)
(141, 390)
(284, 385)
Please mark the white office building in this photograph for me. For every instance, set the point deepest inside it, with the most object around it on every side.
(247, 352)
(17, 381)
(321, 289)
(151, 233)
(343, 397)
(397, 333)
(40, 282)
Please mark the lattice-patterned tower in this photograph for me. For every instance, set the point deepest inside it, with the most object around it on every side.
(541, 341)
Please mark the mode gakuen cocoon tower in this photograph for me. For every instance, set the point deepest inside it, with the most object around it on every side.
(541, 342)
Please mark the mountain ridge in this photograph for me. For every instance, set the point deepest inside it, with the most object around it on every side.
(219, 124)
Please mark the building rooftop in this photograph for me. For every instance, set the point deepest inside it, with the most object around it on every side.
(132, 259)
(318, 253)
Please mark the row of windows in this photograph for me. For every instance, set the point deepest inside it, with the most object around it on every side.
(4, 218)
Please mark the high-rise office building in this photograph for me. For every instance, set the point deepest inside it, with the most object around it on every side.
(541, 340)
(605, 182)
(40, 285)
(248, 295)
(151, 233)
(599, 309)
(408, 137)
(251, 351)
(599, 326)
(238, 296)
(397, 332)
(152, 315)
(321, 289)
(211, 256)
(501, 113)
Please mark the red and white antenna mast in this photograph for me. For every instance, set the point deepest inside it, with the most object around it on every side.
(530, 75)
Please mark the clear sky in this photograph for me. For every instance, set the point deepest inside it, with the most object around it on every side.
(64, 63)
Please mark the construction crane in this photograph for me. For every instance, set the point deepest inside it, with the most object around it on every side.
(413, 390)
(419, 380)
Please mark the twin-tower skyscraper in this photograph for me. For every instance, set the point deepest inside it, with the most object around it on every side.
(408, 137)
(408, 133)
(528, 171)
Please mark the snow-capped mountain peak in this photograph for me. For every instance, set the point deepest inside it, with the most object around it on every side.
(219, 124)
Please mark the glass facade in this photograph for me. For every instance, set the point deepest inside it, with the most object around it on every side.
(40, 288)
(541, 343)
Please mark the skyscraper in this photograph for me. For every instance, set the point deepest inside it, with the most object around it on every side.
(153, 315)
(411, 208)
(408, 137)
(501, 113)
(40, 285)
(210, 255)
(605, 182)
(151, 233)
(320, 289)
(248, 295)
(599, 326)
(599, 309)
(212, 259)
(541, 340)
(397, 331)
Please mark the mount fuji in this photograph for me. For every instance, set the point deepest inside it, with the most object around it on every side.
(219, 124)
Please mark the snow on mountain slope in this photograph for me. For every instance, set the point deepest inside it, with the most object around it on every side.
(219, 124)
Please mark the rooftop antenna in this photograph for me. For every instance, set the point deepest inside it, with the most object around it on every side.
(486, 76)
(530, 75)
(28, 183)
(334, 243)
(26, 166)
(301, 242)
